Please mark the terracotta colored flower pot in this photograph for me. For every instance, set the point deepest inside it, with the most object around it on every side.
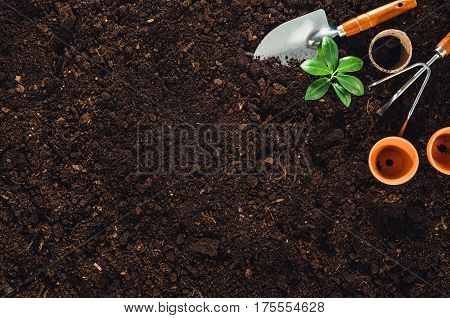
(438, 150)
(393, 160)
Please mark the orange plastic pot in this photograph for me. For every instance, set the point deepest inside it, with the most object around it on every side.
(438, 150)
(393, 160)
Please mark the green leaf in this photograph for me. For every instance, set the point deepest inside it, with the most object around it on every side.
(317, 89)
(330, 51)
(320, 56)
(351, 83)
(343, 94)
(315, 67)
(350, 64)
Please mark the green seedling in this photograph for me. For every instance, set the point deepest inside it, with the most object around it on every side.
(328, 63)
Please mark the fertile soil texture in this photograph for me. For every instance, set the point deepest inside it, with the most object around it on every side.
(79, 219)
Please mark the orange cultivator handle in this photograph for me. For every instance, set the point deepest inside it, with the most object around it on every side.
(443, 47)
(370, 19)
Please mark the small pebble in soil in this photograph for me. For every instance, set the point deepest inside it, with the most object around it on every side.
(261, 84)
(335, 135)
(206, 246)
(138, 210)
(217, 152)
(180, 239)
(60, 121)
(85, 119)
(77, 167)
(252, 181)
(241, 58)
(279, 89)
(66, 16)
(20, 88)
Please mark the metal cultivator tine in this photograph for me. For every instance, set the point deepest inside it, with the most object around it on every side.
(423, 67)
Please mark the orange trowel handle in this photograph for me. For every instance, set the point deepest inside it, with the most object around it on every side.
(443, 47)
(377, 16)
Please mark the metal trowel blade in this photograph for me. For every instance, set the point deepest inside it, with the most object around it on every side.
(290, 40)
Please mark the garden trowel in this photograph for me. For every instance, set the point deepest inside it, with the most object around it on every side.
(299, 38)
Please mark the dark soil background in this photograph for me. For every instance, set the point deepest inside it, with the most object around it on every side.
(78, 220)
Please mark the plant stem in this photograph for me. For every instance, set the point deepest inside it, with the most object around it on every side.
(332, 75)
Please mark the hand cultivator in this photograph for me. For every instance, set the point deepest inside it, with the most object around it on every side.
(442, 50)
